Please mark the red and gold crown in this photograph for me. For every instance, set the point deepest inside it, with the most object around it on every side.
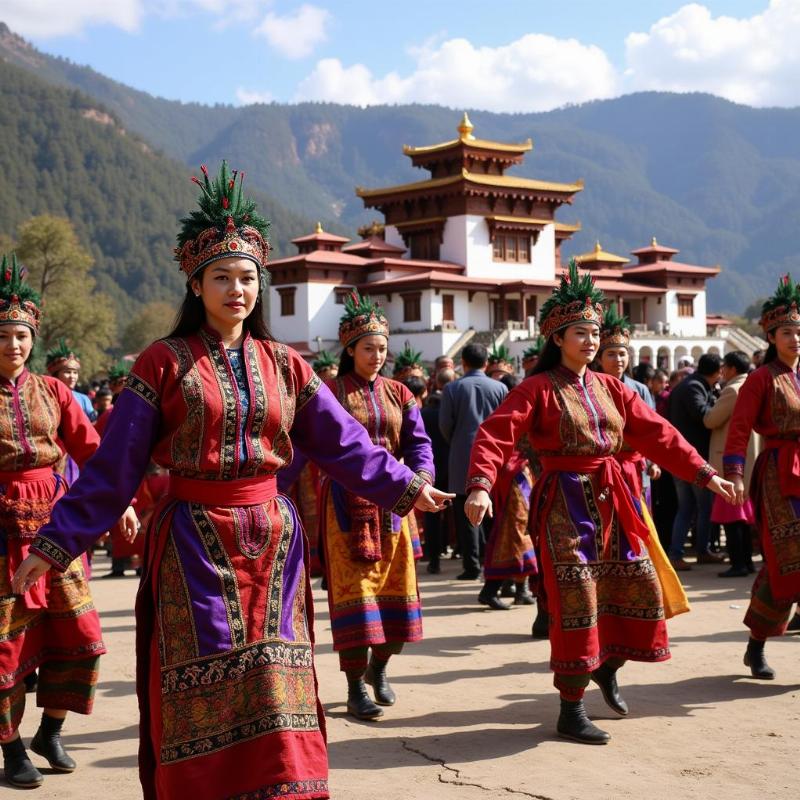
(226, 225)
(361, 318)
(574, 300)
(61, 357)
(19, 303)
(615, 330)
(783, 308)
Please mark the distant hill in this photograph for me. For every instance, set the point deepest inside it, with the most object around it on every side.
(717, 180)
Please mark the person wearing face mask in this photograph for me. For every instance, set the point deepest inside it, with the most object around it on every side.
(50, 623)
(225, 664)
(769, 404)
(603, 593)
(369, 550)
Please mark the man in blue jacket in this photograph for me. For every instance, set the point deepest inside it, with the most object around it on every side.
(465, 405)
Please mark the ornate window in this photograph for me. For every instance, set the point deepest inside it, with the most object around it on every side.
(514, 247)
(340, 294)
(287, 300)
(412, 307)
(685, 305)
(448, 308)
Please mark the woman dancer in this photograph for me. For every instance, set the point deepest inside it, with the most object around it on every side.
(369, 552)
(603, 594)
(225, 674)
(52, 625)
(769, 403)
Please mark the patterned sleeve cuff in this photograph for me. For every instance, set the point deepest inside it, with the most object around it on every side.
(426, 476)
(478, 482)
(307, 392)
(51, 553)
(704, 475)
(733, 466)
(409, 496)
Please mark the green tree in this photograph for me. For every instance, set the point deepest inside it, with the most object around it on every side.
(58, 267)
(151, 323)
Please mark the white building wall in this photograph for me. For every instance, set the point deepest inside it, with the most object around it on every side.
(392, 236)
(296, 327)
(430, 343)
(686, 326)
(323, 314)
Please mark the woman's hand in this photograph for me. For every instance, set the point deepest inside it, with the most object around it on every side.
(732, 492)
(738, 490)
(28, 572)
(430, 499)
(478, 505)
(129, 524)
(654, 471)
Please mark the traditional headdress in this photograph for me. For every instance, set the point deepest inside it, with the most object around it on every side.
(575, 299)
(500, 360)
(227, 224)
(118, 372)
(324, 361)
(61, 357)
(361, 318)
(532, 352)
(19, 303)
(783, 308)
(408, 362)
(615, 330)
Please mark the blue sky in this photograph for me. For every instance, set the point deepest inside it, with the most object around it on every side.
(517, 55)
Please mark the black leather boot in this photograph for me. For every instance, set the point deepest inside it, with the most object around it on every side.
(359, 704)
(541, 625)
(574, 724)
(488, 596)
(606, 679)
(47, 743)
(375, 676)
(522, 595)
(18, 769)
(754, 658)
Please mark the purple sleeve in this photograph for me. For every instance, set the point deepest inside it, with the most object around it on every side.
(341, 447)
(107, 483)
(287, 477)
(415, 444)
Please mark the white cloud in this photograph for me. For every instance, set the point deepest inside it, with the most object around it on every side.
(247, 97)
(295, 35)
(45, 18)
(752, 60)
(533, 73)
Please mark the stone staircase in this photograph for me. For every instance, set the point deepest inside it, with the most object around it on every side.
(739, 339)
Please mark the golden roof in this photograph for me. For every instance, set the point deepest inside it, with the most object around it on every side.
(502, 181)
(519, 220)
(416, 222)
(568, 227)
(465, 136)
(600, 255)
(318, 229)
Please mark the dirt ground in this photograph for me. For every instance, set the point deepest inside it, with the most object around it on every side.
(476, 711)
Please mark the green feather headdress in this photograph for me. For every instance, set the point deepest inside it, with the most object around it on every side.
(575, 299)
(615, 330)
(501, 353)
(118, 372)
(225, 224)
(783, 308)
(362, 317)
(20, 304)
(61, 356)
(324, 360)
(408, 361)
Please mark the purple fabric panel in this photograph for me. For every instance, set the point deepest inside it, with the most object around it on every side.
(203, 584)
(291, 574)
(109, 479)
(415, 444)
(576, 506)
(341, 447)
(71, 471)
(525, 487)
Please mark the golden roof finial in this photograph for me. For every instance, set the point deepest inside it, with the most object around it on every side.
(318, 229)
(653, 242)
(597, 247)
(465, 128)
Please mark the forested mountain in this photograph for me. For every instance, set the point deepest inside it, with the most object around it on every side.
(719, 181)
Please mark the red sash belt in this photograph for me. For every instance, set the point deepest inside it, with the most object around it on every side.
(788, 464)
(613, 489)
(38, 474)
(239, 492)
(632, 464)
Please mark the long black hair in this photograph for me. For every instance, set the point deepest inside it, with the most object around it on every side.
(771, 354)
(549, 358)
(191, 315)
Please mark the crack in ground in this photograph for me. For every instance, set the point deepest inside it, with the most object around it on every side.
(459, 782)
